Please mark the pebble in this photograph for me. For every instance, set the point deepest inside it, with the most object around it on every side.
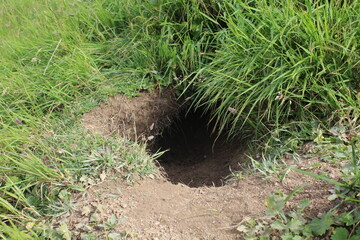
(123, 205)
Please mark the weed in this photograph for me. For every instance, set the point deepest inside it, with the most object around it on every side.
(294, 225)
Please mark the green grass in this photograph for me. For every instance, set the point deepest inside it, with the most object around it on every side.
(280, 62)
(280, 69)
(49, 76)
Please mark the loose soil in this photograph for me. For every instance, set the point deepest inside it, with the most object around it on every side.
(194, 199)
(137, 118)
(159, 209)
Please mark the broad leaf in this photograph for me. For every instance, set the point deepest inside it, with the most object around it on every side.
(340, 234)
(242, 228)
(278, 225)
(296, 224)
(320, 226)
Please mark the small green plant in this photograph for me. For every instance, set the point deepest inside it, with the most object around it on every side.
(293, 225)
(340, 147)
(350, 185)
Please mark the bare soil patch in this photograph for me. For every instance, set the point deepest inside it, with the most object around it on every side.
(172, 208)
(158, 209)
(136, 118)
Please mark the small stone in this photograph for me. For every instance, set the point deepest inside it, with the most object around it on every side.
(123, 205)
(86, 210)
(332, 191)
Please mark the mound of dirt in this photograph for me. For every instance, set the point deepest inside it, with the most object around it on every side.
(141, 117)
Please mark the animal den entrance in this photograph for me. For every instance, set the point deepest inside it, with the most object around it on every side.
(194, 156)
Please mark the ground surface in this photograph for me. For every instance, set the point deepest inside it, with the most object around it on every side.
(137, 118)
(194, 199)
(158, 209)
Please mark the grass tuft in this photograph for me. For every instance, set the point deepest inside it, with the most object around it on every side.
(282, 61)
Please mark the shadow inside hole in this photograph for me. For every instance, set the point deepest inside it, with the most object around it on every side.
(195, 157)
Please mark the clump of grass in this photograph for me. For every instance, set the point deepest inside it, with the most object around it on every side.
(49, 75)
(292, 224)
(282, 61)
(160, 42)
(57, 160)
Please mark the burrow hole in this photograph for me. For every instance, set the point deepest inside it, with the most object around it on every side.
(196, 157)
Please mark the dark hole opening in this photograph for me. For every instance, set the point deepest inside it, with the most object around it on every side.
(195, 156)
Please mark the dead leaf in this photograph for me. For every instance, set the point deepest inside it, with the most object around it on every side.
(18, 122)
(102, 176)
(86, 210)
(232, 110)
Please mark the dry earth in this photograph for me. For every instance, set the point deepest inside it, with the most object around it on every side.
(136, 118)
(158, 209)
(207, 207)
